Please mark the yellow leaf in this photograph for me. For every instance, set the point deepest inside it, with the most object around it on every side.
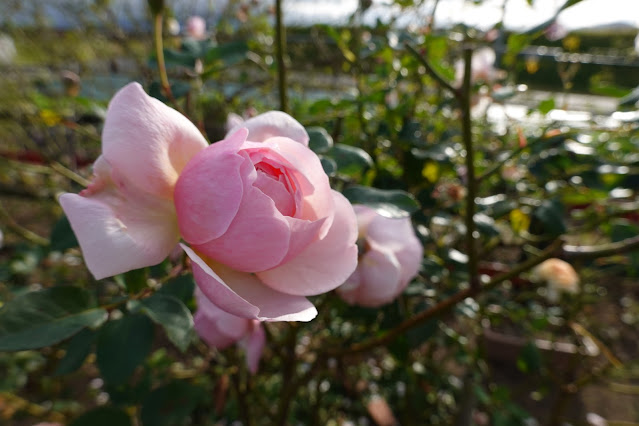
(431, 171)
(519, 221)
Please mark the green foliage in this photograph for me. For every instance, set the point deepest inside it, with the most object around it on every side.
(123, 345)
(169, 312)
(388, 203)
(103, 416)
(172, 403)
(43, 318)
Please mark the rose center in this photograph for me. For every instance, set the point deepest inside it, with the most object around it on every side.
(275, 183)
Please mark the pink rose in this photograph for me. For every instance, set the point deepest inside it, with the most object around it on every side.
(220, 330)
(390, 259)
(196, 27)
(265, 227)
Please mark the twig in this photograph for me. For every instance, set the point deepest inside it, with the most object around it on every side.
(431, 71)
(570, 252)
(70, 174)
(23, 232)
(444, 305)
(612, 359)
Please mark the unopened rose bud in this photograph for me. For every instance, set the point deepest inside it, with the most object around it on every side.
(70, 82)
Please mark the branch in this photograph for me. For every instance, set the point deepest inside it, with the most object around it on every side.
(471, 184)
(445, 305)
(603, 250)
(431, 71)
(280, 42)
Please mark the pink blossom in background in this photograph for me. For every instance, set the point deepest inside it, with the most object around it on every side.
(390, 258)
(220, 330)
(264, 227)
(555, 31)
(196, 28)
(482, 67)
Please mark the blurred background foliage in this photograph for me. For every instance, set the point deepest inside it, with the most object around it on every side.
(556, 136)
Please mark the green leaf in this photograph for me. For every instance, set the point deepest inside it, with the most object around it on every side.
(320, 141)
(135, 280)
(546, 105)
(172, 315)
(43, 318)
(388, 203)
(550, 214)
(529, 360)
(349, 159)
(171, 404)
(123, 344)
(62, 236)
(103, 416)
(181, 287)
(229, 53)
(329, 165)
(77, 351)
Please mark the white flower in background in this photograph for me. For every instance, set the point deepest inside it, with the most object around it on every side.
(560, 276)
(594, 419)
(7, 49)
(172, 26)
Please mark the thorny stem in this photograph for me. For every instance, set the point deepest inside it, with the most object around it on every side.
(431, 71)
(471, 184)
(445, 305)
(280, 43)
(159, 53)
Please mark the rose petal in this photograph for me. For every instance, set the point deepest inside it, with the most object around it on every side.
(119, 227)
(242, 294)
(217, 328)
(257, 239)
(253, 344)
(380, 274)
(273, 123)
(209, 191)
(148, 142)
(324, 264)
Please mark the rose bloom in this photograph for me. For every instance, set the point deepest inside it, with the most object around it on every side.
(560, 276)
(264, 229)
(196, 27)
(390, 258)
(220, 330)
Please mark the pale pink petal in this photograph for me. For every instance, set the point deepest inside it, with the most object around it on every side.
(305, 170)
(253, 344)
(271, 124)
(209, 191)
(324, 264)
(217, 328)
(257, 239)
(398, 236)
(349, 290)
(148, 142)
(120, 228)
(365, 215)
(380, 273)
(233, 121)
(242, 294)
(276, 191)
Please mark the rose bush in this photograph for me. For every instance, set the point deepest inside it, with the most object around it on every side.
(390, 258)
(264, 226)
(220, 330)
